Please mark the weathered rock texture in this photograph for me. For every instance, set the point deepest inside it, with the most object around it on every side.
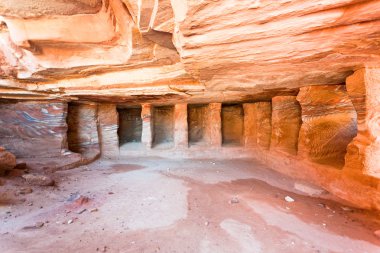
(363, 153)
(33, 129)
(7, 161)
(214, 125)
(232, 124)
(180, 126)
(250, 125)
(162, 55)
(286, 123)
(82, 134)
(328, 123)
(197, 123)
(163, 125)
(222, 51)
(233, 45)
(264, 124)
(130, 125)
(147, 127)
(108, 125)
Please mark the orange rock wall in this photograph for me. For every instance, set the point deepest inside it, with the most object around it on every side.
(264, 124)
(328, 123)
(180, 126)
(363, 154)
(214, 125)
(286, 123)
(250, 125)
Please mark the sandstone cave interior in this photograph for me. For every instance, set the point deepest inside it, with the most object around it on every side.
(213, 126)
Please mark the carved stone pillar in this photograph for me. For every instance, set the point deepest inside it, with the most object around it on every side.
(286, 123)
(147, 125)
(180, 126)
(214, 125)
(108, 121)
(250, 125)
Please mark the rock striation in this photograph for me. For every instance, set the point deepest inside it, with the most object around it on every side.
(363, 153)
(328, 123)
(34, 129)
(292, 83)
(181, 50)
(82, 134)
(286, 123)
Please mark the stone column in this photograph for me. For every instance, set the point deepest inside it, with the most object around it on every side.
(250, 125)
(363, 153)
(108, 123)
(147, 125)
(286, 123)
(214, 125)
(264, 124)
(180, 126)
(328, 124)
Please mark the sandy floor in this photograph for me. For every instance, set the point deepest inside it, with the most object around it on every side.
(157, 205)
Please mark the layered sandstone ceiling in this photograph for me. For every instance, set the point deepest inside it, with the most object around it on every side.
(188, 50)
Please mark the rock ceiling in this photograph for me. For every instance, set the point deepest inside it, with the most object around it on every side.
(181, 50)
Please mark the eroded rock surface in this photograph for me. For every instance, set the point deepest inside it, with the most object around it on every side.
(123, 50)
(328, 123)
(286, 123)
(363, 153)
(241, 63)
(7, 161)
(82, 134)
(33, 129)
(264, 124)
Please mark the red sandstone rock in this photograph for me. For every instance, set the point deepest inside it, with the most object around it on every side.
(232, 125)
(264, 124)
(108, 123)
(113, 52)
(122, 51)
(254, 45)
(7, 160)
(363, 153)
(328, 123)
(147, 125)
(286, 123)
(250, 125)
(33, 129)
(214, 125)
(38, 180)
(180, 126)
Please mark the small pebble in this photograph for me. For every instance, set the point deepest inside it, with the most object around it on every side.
(289, 199)
(234, 200)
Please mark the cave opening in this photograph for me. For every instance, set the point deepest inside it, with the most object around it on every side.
(72, 128)
(232, 124)
(82, 130)
(130, 126)
(197, 123)
(163, 126)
